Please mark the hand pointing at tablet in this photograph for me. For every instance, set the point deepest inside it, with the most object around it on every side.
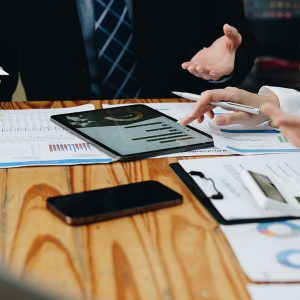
(233, 95)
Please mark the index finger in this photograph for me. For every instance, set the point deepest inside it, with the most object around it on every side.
(192, 117)
(202, 105)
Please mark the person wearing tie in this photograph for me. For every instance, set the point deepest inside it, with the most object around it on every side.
(104, 49)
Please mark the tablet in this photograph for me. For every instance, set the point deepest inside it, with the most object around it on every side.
(133, 131)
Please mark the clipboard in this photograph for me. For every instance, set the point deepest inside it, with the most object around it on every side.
(206, 202)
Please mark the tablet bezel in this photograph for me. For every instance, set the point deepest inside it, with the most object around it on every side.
(116, 155)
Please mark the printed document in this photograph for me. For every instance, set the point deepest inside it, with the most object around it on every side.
(247, 140)
(274, 291)
(238, 202)
(28, 138)
(268, 251)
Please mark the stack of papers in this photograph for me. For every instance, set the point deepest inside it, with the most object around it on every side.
(29, 138)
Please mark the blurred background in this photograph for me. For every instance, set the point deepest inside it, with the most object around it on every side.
(276, 26)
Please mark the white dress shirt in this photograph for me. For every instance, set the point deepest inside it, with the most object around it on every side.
(289, 99)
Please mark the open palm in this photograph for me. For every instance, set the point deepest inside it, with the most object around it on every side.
(217, 60)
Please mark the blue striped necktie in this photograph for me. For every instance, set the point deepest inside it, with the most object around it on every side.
(116, 59)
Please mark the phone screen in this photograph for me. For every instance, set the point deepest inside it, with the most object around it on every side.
(267, 186)
(108, 203)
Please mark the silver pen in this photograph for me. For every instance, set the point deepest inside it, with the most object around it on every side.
(224, 104)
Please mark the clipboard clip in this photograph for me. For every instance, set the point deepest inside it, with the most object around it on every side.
(218, 195)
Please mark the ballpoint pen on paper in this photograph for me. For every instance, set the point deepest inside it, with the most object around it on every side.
(224, 104)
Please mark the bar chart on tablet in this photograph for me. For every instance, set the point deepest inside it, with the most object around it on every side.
(160, 132)
(133, 130)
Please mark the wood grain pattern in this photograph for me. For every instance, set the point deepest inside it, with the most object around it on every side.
(174, 253)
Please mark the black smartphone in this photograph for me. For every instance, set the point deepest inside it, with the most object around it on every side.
(114, 202)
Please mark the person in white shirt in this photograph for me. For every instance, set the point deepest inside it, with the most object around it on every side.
(280, 105)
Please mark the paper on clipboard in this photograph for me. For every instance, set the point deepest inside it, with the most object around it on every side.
(238, 203)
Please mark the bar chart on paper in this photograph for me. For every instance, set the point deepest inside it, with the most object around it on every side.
(282, 139)
(75, 147)
(30, 138)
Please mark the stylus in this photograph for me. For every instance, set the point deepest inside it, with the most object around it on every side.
(230, 105)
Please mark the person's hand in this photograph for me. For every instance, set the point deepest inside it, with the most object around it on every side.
(217, 60)
(233, 95)
(288, 125)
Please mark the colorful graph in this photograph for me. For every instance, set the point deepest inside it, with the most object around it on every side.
(70, 147)
(266, 229)
(287, 258)
(282, 139)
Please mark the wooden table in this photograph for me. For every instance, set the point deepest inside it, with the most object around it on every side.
(174, 253)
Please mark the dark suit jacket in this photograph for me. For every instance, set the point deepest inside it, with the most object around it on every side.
(42, 41)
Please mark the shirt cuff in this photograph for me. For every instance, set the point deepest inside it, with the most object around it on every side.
(289, 99)
(222, 80)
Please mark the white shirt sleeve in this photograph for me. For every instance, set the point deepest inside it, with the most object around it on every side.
(289, 99)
